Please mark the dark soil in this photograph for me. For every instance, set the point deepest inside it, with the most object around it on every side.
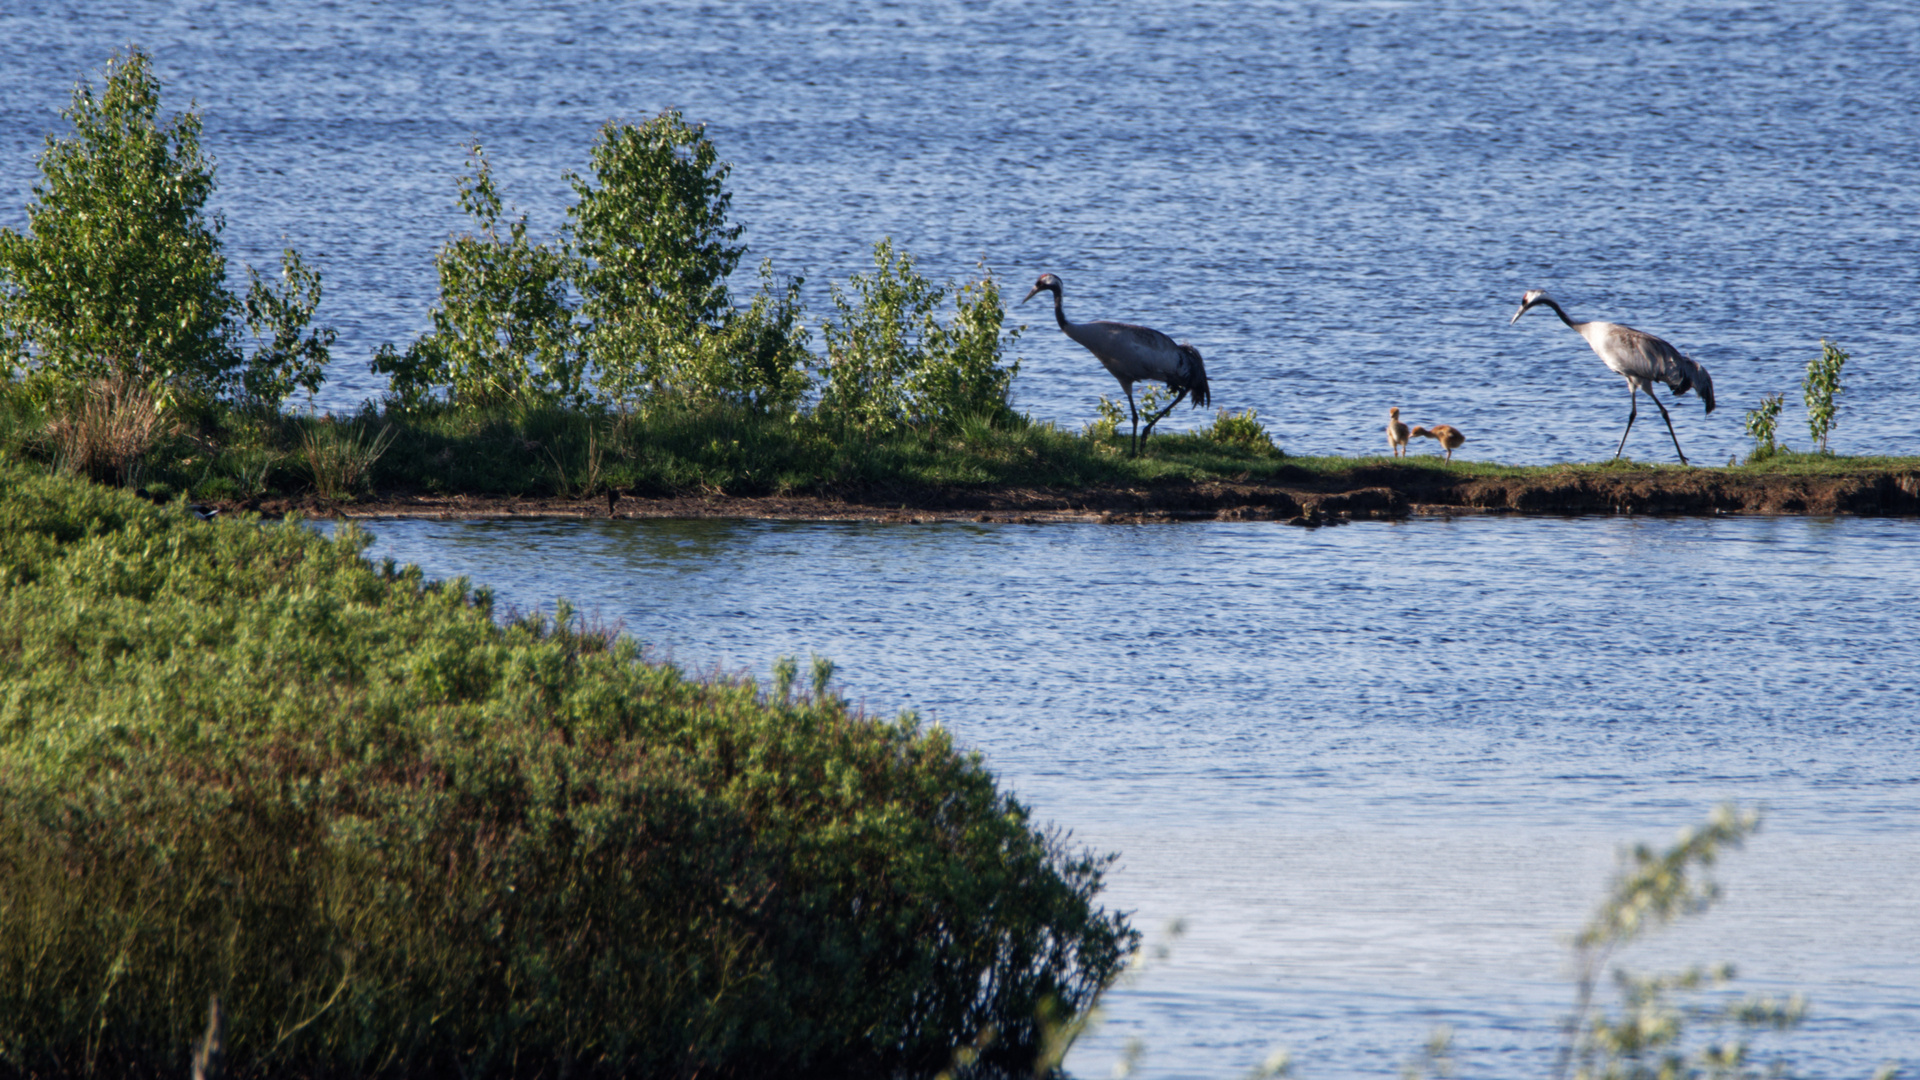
(1312, 497)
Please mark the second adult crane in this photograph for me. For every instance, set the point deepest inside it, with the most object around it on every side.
(1134, 354)
(1639, 357)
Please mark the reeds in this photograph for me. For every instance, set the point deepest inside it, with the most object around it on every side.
(341, 456)
(105, 430)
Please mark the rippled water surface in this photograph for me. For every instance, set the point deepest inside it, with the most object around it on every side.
(1339, 203)
(1380, 770)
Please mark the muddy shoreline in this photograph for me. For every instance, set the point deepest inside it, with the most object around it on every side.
(1310, 498)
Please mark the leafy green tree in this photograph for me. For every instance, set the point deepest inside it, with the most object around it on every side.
(892, 364)
(503, 330)
(119, 278)
(654, 248)
(120, 271)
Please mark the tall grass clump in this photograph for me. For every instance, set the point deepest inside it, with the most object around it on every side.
(399, 838)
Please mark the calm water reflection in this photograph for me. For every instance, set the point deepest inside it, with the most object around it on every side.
(1379, 769)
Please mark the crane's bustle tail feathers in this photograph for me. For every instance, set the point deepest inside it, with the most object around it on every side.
(1196, 376)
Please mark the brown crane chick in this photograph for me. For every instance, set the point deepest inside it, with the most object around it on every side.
(1396, 432)
(1446, 435)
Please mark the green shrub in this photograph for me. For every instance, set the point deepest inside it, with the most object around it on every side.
(755, 357)
(120, 274)
(400, 839)
(1821, 388)
(286, 355)
(1762, 422)
(503, 330)
(1652, 1032)
(1242, 429)
(891, 364)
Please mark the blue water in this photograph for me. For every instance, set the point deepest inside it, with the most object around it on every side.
(1339, 203)
(1379, 770)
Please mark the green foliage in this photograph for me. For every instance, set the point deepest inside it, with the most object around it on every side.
(340, 456)
(1647, 1036)
(1240, 429)
(286, 354)
(503, 331)
(1153, 398)
(1761, 423)
(399, 838)
(755, 357)
(1103, 431)
(655, 250)
(120, 279)
(120, 272)
(891, 363)
(1821, 388)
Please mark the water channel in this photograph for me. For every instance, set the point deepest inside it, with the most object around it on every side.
(1380, 771)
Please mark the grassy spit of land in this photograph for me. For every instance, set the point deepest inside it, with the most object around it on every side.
(716, 461)
(400, 837)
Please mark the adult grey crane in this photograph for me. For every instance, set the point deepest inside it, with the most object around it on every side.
(1135, 354)
(1639, 356)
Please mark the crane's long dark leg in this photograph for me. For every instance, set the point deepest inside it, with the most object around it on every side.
(1128, 387)
(1177, 398)
(1669, 420)
(1633, 410)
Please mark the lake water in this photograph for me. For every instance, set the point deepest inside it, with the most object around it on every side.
(1380, 770)
(1339, 203)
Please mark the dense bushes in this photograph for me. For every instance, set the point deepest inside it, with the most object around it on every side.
(398, 838)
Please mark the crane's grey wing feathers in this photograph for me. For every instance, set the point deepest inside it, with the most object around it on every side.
(1649, 358)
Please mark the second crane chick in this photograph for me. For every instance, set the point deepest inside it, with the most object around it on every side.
(1446, 435)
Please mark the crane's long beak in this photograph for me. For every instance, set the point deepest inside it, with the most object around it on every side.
(1030, 293)
(1517, 314)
